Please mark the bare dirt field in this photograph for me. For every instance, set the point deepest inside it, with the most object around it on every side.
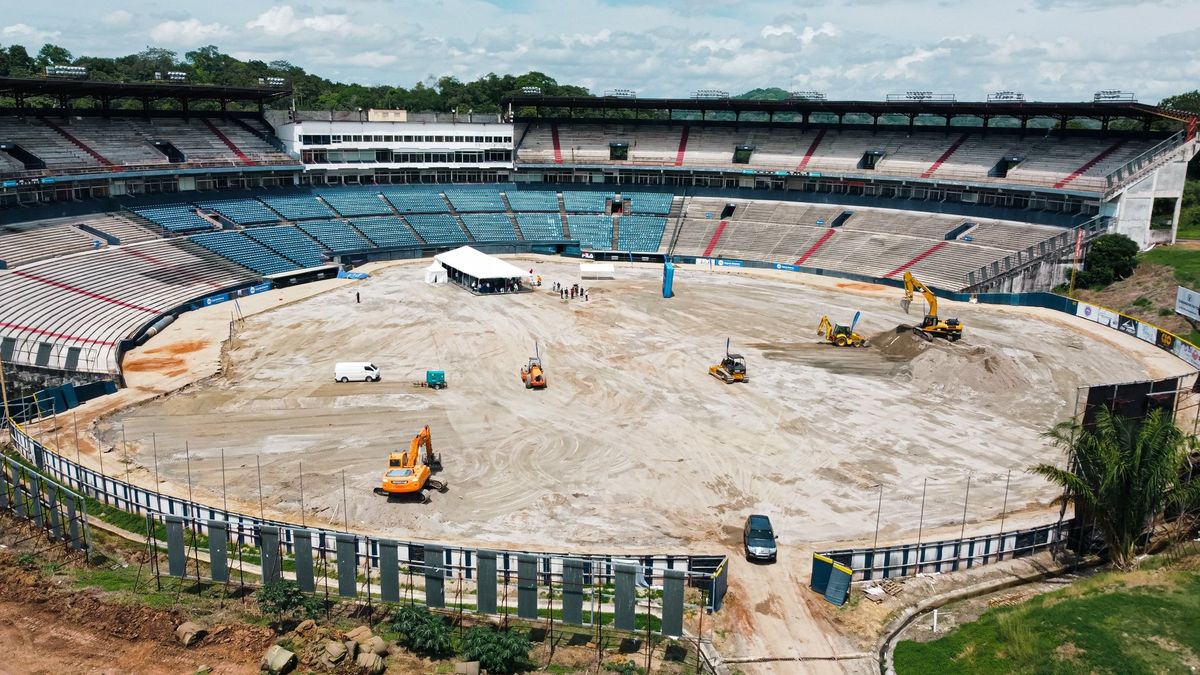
(633, 446)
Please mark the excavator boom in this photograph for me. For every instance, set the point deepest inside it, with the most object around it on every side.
(932, 325)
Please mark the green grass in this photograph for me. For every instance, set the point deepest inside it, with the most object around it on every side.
(1185, 262)
(1142, 622)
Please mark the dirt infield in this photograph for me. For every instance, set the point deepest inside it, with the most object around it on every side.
(633, 445)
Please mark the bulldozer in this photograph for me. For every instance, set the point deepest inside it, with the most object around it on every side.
(839, 335)
(409, 473)
(932, 325)
(731, 369)
(532, 373)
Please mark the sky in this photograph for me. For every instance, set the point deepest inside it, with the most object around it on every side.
(1061, 50)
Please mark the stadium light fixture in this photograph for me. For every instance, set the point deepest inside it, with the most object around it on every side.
(922, 96)
(77, 72)
(806, 96)
(1114, 96)
(620, 93)
(710, 93)
(271, 82)
(531, 91)
(1006, 96)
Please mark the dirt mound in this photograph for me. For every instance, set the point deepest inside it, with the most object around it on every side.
(901, 342)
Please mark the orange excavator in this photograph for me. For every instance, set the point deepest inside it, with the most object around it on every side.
(532, 374)
(408, 473)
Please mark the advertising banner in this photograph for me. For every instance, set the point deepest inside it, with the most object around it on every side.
(215, 299)
(729, 263)
(1187, 352)
(1187, 303)
(1097, 314)
(785, 266)
(1126, 324)
(1147, 332)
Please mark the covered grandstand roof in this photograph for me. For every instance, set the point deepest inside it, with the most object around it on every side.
(23, 87)
(1064, 110)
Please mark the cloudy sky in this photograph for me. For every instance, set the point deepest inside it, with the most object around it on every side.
(1048, 49)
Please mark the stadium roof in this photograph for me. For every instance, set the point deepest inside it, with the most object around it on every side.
(986, 110)
(65, 89)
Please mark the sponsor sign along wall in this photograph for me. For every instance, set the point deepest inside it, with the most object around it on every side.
(1186, 352)
(1187, 303)
(1097, 314)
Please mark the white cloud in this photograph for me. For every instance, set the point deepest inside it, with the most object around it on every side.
(118, 18)
(810, 34)
(28, 34)
(281, 21)
(188, 32)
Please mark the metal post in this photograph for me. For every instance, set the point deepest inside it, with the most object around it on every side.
(963, 532)
(57, 447)
(1003, 512)
(921, 521)
(125, 451)
(78, 457)
(261, 511)
(649, 642)
(302, 523)
(345, 508)
(4, 391)
(878, 513)
(154, 446)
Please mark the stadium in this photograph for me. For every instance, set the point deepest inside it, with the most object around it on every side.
(179, 284)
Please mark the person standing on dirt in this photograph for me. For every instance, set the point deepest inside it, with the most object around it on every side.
(357, 298)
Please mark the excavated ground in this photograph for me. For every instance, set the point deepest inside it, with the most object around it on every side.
(633, 445)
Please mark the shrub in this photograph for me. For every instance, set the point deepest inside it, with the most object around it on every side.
(499, 652)
(422, 632)
(284, 599)
(1112, 257)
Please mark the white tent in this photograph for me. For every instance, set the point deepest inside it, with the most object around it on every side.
(479, 265)
(435, 273)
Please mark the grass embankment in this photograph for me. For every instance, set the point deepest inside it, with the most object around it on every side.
(1149, 295)
(1146, 621)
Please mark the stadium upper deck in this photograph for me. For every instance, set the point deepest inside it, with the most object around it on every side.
(993, 143)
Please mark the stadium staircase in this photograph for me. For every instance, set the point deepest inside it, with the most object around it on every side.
(816, 246)
(76, 142)
(916, 259)
(228, 143)
(812, 148)
(562, 213)
(1090, 163)
(683, 139)
(937, 164)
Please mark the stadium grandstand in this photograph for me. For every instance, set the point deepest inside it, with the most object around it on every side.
(112, 219)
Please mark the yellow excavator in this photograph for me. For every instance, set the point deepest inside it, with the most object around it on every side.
(839, 335)
(731, 369)
(408, 473)
(932, 325)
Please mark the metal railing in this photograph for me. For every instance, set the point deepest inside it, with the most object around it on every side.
(1143, 163)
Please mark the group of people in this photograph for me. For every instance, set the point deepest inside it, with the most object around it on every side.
(571, 292)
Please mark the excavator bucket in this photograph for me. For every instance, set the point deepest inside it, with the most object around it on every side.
(905, 303)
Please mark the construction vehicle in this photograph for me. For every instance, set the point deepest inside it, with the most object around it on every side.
(408, 473)
(532, 374)
(731, 369)
(434, 379)
(931, 325)
(839, 335)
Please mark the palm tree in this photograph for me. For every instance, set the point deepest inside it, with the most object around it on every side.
(1123, 473)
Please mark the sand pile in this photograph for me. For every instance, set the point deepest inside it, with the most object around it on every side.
(965, 369)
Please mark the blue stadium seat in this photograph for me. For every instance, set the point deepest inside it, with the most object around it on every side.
(490, 226)
(535, 226)
(291, 243)
(416, 199)
(532, 200)
(657, 203)
(299, 207)
(334, 235)
(175, 217)
(244, 251)
(438, 229)
(475, 200)
(356, 202)
(242, 211)
(592, 232)
(387, 231)
(586, 202)
(640, 233)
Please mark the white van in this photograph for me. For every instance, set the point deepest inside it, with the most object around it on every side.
(357, 371)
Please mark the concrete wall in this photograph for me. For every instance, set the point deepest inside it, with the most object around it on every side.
(1134, 205)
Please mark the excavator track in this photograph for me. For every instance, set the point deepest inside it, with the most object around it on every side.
(438, 485)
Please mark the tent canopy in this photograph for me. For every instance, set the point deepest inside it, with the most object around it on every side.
(479, 265)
